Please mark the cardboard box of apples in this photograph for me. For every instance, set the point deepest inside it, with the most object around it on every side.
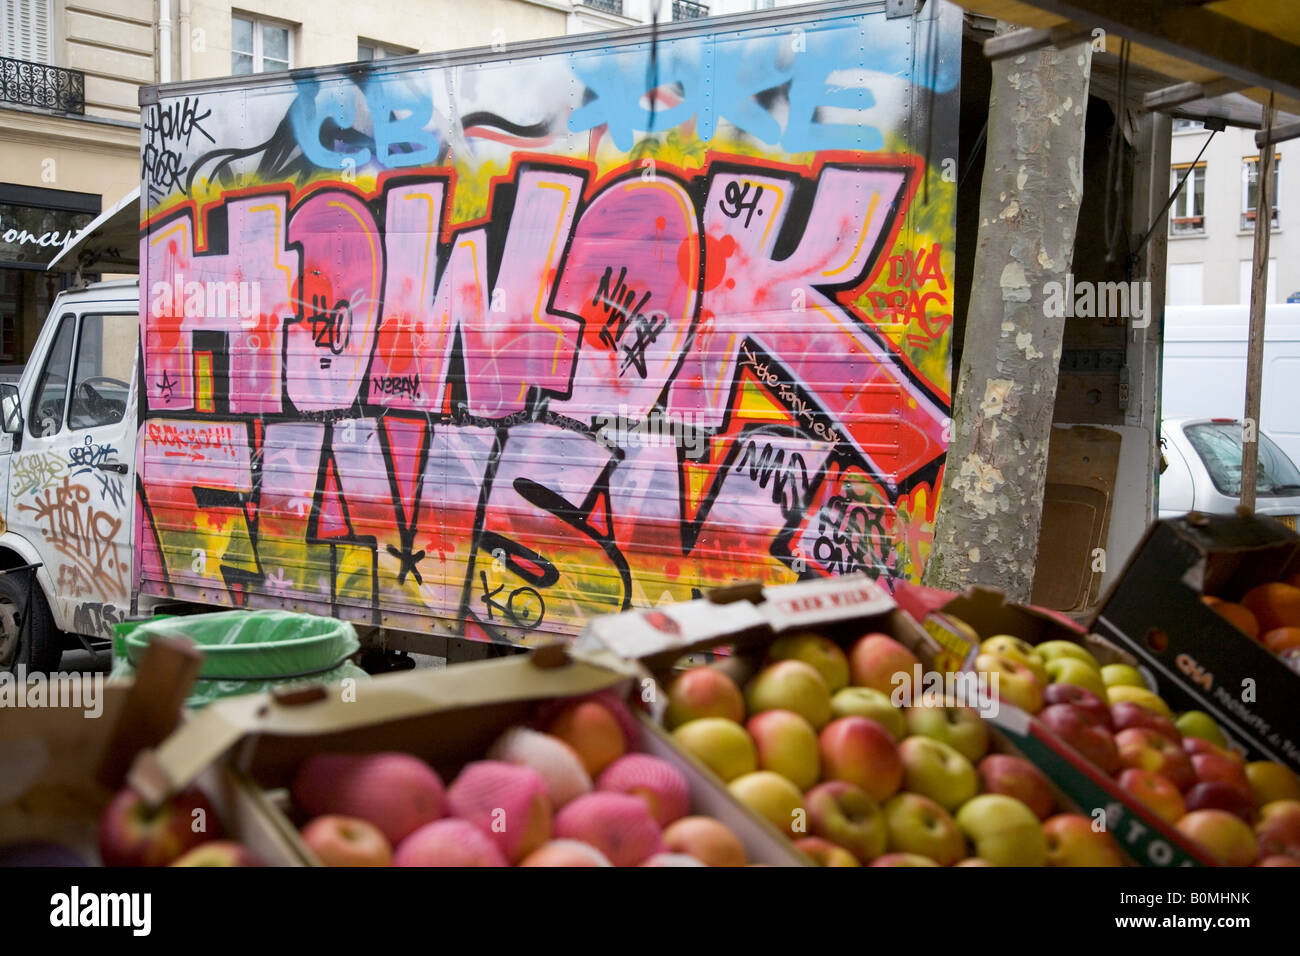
(62, 799)
(1210, 607)
(531, 760)
(803, 723)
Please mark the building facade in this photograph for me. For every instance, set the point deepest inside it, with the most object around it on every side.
(1212, 221)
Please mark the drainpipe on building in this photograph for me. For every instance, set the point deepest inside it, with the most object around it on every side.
(164, 41)
(185, 38)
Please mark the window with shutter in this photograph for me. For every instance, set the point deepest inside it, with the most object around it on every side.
(27, 33)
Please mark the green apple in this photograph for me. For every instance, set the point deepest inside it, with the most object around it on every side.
(865, 702)
(1052, 650)
(790, 685)
(822, 653)
(1116, 675)
(961, 728)
(1016, 683)
(917, 824)
(1197, 723)
(1022, 652)
(1003, 830)
(721, 744)
(1071, 670)
(935, 770)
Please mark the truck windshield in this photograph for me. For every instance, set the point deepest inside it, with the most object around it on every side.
(1219, 445)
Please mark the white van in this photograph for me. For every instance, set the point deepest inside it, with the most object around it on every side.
(1204, 374)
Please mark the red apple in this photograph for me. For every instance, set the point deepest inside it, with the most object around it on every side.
(1126, 714)
(1210, 767)
(703, 692)
(219, 853)
(874, 660)
(1017, 777)
(1153, 790)
(826, 853)
(396, 792)
(1071, 841)
(1088, 702)
(843, 814)
(1074, 726)
(347, 841)
(131, 833)
(861, 751)
(1216, 795)
(1148, 749)
(1278, 828)
(1199, 745)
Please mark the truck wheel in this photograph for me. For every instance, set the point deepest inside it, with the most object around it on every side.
(36, 647)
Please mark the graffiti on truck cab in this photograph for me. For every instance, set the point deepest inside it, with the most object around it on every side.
(469, 312)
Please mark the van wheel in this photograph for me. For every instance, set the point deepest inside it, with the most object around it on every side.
(37, 647)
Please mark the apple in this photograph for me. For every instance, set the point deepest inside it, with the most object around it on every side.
(449, 842)
(1271, 781)
(1003, 830)
(1217, 795)
(670, 859)
(1126, 675)
(972, 861)
(918, 825)
(772, 797)
(874, 659)
(825, 853)
(790, 685)
(703, 692)
(1141, 697)
(1227, 838)
(1215, 767)
(865, 702)
(1198, 745)
(1093, 706)
(1068, 670)
(1022, 652)
(396, 792)
(822, 653)
(1278, 861)
(843, 814)
(1148, 750)
(565, 853)
(961, 728)
(219, 853)
(1128, 714)
(1278, 828)
(786, 744)
(1074, 726)
(347, 841)
(1012, 681)
(617, 824)
(507, 802)
(593, 730)
(1049, 651)
(1197, 723)
(861, 751)
(720, 744)
(557, 763)
(708, 840)
(1155, 792)
(935, 770)
(661, 785)
(131, 833)
(1281, 639)
(903, 859)
(1071, 841)
(1017, 777)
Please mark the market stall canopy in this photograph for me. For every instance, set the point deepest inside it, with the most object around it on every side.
(1220, 56)
(108, 243)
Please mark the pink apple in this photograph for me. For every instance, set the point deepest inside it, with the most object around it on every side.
(593, 730)
(219, 853)
(843, 814)
(1017, 777)
(861, 751)
(825, 853)
(1217, 795)
(1126, 714)
(1227, 838)
(557, 762)
(507, 802)
(708, 840)
(1088, 702)
(874, 660)
(1148, 749)
(1075, 726)
(347, 841)
(131, 833)
(396, 792)
(448, 842)
(618, 825)
(659, 783)
(1155, 792)
(703, 692)
(1278, 828)
(1071, 841)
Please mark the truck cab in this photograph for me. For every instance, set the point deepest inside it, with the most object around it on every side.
(67, 479)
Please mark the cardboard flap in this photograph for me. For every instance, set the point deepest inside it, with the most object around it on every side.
(676, 629)
(813, 603)
(212, 732)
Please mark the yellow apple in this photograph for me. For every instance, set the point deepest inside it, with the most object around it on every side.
(1003, 830)
(1271, 781)
(1017, 650)
(1114, 675)
(1140, 696)
(1054, 650)
(772, 797)
(822, 653)
(721, 744)
(1071, 670)
(1016, 683)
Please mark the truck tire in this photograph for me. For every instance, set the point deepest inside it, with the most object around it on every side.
(37, 647)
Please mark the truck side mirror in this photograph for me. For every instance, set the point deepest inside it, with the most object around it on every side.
(11, 410)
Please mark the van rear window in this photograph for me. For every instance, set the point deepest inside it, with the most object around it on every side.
(1219, 445)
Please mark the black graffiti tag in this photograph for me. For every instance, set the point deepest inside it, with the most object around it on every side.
(735, 201)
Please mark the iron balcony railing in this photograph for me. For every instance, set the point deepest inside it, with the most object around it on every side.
(42, 86)
(609, 6)
(686, 10)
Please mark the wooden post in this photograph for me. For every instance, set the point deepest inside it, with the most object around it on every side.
(1258, 300)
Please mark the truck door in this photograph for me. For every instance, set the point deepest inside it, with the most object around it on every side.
(71, 484)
